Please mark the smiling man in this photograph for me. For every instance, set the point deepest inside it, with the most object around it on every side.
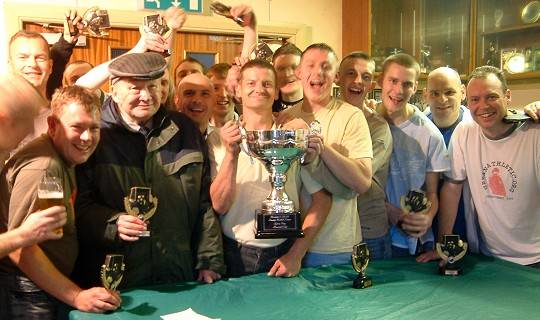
(286, 59)
(345, 157)
(419, 155)
(240, 184)
(29, 57)
(36, 276)
(144, 145)
(444, 93)
(195, 98)
(355, 80)
(223, 109)
(500, 163)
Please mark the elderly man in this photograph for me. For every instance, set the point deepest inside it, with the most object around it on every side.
(195, 98)
(32, 276)
(18, 108)
(144, 145)
(505, 190)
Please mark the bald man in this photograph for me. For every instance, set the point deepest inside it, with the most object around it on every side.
(444, 93)
(186, 67)
(74, 71)
(195, 98)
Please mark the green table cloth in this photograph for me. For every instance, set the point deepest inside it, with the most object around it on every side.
(402, 289)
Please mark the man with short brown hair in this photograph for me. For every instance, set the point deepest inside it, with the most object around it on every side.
(36, 274)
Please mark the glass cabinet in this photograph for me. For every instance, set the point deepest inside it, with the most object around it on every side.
(462, 34)
(508, 36)
(435, 32)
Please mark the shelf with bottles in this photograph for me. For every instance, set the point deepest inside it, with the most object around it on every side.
(435, 32)
(508, 37)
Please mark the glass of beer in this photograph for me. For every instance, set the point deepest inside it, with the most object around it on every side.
(50, 193)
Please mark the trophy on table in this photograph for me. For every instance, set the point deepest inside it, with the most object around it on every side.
(277, 149)
(140, 203)
(360, 261)
(451, 250)
(112, 271)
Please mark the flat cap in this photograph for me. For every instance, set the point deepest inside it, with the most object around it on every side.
(140, 66)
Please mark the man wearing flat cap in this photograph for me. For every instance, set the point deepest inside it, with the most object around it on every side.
(143, 145)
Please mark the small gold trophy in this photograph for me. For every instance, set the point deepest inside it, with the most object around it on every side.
(360, 261)
(112, 271)
(141, 204)
(451, 250)
(415, 201)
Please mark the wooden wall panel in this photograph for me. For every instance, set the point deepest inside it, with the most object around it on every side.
(356, 25)
(97, 50)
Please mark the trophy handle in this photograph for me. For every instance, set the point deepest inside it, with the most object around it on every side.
(243, 143)
(441, 252)
(463, 252)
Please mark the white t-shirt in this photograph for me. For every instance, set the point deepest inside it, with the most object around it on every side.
(252, 187)
(344, 127)
(504, 178)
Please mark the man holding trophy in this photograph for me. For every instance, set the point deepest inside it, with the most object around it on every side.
(162, 154)
(241, 183)
(505, 221)
(35, 278)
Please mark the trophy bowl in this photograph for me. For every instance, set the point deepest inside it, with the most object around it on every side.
(277, 150)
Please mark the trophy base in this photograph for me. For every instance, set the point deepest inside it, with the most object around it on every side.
(450, 271)
(362, 282)
(278, 225)
(144, 233)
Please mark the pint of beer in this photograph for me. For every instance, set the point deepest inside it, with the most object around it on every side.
(50, 193)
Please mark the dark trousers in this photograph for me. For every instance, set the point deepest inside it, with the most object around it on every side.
(243, 260)
(20, 298)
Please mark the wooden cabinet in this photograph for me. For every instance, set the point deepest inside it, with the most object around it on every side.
(462, 34)
(509, 37)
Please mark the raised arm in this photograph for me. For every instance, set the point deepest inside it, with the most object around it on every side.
(246, 13)
(223, 187)
(99, 75)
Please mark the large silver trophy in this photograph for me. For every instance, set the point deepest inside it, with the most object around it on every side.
(277, 149)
